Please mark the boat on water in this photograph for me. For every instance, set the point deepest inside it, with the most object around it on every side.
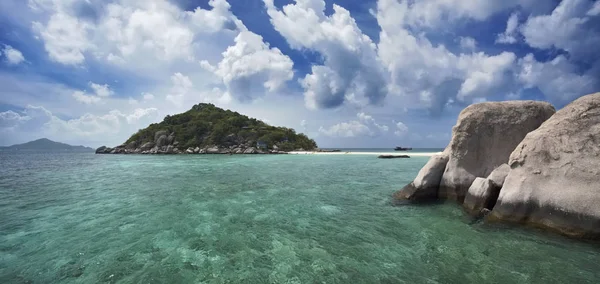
(402, 149)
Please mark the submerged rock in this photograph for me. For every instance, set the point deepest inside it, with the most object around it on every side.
(392, 156)
(426, 184)
(481, 194)
(554, 181)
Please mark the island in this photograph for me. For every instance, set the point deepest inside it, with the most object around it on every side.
(207, 129)
(45, 144)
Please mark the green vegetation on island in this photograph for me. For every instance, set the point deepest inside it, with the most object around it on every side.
(205, 126)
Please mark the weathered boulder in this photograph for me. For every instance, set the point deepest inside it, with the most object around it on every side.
(197, 150)
(250, 150)
(171, 139)
(498, 175)
(426, 184)
(554, 181)
(158, 134)
(102, 150)
(213, 150)
(481, 194)
(237, 150)
(147, 146)
(189, 150)
(483, 138)
(131, 145)
(161, 141)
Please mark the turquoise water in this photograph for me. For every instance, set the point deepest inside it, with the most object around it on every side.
(85, 218)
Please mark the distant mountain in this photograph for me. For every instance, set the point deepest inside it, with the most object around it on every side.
(45, 145)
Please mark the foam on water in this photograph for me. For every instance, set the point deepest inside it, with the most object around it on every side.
(84, 218)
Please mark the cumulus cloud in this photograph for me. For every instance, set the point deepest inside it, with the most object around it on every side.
(468, 43)
(346, 129)
(351, 65)
(101, 90)
(147, 96)
(509, 35)
(365, 125)
(12, 56)
(182, 85)
(431, 75)
(570, 27)
(82, 97)
(37, 121)
(249, 67)
(401, 129)
(557, 79)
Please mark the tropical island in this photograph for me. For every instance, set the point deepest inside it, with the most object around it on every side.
(45, 144)
(207, 129)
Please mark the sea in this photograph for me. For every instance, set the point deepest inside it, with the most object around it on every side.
(86, 218)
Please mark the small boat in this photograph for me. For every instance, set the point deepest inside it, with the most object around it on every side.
(402, 149)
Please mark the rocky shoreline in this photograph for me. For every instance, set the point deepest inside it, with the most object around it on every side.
(172, 150)
(521, 162)
(165, 144)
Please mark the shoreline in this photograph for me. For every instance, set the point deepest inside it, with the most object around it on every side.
(416, 154)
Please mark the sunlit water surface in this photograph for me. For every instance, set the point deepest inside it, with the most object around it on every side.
(85, 218)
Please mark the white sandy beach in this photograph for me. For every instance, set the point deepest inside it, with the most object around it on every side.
(415, 154)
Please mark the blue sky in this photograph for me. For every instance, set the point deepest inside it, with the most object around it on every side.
(347, 73)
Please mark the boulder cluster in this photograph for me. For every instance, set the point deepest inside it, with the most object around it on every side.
(165, 143)
(523, 162)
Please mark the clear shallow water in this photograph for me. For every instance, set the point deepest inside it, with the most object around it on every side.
(85, 218)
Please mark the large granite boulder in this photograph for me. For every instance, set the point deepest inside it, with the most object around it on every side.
(554, 181)
(213, 150)
(162, 141)
(426, 184)
(498, 176)
(483, 138)
(481, 194)
(147, 146)
(160, 133)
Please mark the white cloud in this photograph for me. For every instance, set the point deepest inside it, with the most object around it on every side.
(351, 66)
(347, 129)
(595, 10)
(65, 38)
(35, 121)
(435, 13)
(557, 79)
(401, 129)
(569, 27)
(82, 97)
(250, 68)
(468, 43)
(182, 86)
(369, 120)
(12, 55)
(101, 90)
(429, 75)
(509, 35)
(148, 96)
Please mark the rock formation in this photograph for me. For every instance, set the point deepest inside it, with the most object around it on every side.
(482, 139)
(554, 181)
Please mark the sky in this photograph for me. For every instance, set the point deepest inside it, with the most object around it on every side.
(347, 73)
